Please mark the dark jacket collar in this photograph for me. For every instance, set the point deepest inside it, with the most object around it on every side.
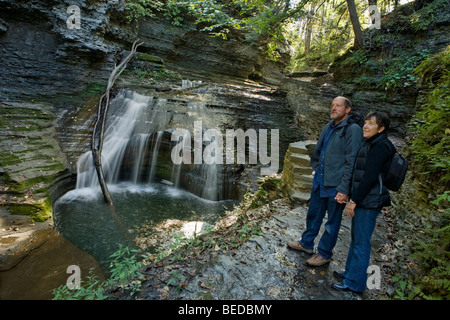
(377, 137)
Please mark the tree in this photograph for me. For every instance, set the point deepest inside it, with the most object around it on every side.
(99, 126)
(359, 39)
(308, 32)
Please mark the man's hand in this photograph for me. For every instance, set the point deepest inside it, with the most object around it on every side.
(341, 198)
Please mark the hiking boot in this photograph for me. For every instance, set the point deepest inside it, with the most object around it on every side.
(339, 275)
(298, 247)
(317, 261)
(342, 287)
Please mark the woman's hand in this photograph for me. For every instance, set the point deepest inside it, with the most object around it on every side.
(350, 209)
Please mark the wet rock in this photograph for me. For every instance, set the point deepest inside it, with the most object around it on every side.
(31, 159)
(3, 26)
(311, 105)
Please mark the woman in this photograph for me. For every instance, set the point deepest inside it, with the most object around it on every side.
(368, 196)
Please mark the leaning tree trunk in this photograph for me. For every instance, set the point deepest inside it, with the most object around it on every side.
(359, 39)
(99, 127)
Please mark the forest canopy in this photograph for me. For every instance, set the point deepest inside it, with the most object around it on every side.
(315, 31)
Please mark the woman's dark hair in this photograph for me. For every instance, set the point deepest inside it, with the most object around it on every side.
(381, 118)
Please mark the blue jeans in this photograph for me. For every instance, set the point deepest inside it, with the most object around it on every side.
(318, 206)
(363, 224)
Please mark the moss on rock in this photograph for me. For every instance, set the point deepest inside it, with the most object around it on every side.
(30, 158)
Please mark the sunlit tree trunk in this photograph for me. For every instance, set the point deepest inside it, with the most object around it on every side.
(308, 30)
(359, 40)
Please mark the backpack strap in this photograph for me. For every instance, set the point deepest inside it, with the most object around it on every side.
(344, 132)
(352, 118)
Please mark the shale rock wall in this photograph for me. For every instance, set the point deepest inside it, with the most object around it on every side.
(50, 73)
(40, 55)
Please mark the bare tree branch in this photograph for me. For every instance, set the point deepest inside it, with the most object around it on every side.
(99, 127)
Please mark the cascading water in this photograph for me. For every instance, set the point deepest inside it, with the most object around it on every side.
(135, 158)
(155, 156)
(131, 120)
(133, 135)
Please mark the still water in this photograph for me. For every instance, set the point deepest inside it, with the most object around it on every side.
(87, 234)
(82, 217)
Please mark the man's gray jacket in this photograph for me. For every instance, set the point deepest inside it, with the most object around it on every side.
(340, 155)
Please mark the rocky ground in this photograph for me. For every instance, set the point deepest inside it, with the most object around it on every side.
(260, 267)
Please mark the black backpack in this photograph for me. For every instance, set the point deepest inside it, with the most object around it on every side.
(394, 176)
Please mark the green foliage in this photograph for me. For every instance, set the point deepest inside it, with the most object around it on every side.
(247, 231)
(91, 289)
(173, 13)
(158, 75)
(330, 30)
(391, 74)
(404, 288)
(365, 81)
(124, 266)
(433, 256)
(219, 18)
(405, 19)
(210, 13)
(431, 278)
(359, 57)
(94, 88)
(176, 279)
(442, 199)
(269, 190)
(138, 9)
(429, 151)
(421, 19)
(179, 241)
(398, 72)
(430, 146)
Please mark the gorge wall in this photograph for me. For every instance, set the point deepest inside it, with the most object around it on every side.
(42, 56)
(49, 73)
(378, 77)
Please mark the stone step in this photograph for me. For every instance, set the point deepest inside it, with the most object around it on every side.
(296, 169)
(303, 185)
(302, 147)
(303, 177)
(299, 196)
(299, 159)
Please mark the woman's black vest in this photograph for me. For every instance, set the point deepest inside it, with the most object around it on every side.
(378, 195)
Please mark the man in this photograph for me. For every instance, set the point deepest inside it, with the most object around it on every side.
(332, 162)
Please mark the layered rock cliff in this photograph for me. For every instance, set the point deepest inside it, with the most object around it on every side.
(42, 56)
(50, 71)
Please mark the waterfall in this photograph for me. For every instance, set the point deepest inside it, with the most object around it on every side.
(155, 156)
(138, 149)
(134, 132)
(211, 174)
(206, 179)
(130, 121)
